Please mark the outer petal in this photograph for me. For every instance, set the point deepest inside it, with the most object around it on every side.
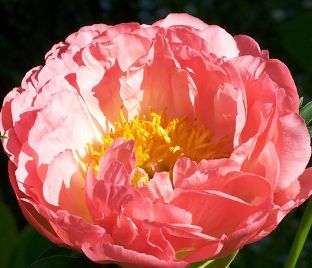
(219, 222)
(280, 74)
(247, 46)
(75, 231)
(286, 200)
(30, 213)
(63, 123)
(106, 253)
(12, 145)
(293, 149)
(298, 191)
(181, 19)
(221, 43)
(27, 175)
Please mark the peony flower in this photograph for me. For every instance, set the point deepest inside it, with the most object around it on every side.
(156, 145)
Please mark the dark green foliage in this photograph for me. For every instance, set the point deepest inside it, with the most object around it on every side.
(8, 235)
(306, 113)
(217, 263)
(56, 257)
(29, 246)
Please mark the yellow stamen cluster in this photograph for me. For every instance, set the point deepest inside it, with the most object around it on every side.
(160, 142)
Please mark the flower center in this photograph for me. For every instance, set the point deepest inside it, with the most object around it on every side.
(160, 142)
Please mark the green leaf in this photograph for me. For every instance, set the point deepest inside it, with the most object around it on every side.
(306, 113)
(217, 263)
(57, 257)
(55, 250)
(300, 102)
(301, 236)
(1, 196)
(8, 236)
(59, 261)
(29, 246)
(310, 130)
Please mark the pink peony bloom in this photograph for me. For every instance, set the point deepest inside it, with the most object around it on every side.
(156, 145)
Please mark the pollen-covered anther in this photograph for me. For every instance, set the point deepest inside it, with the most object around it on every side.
(160, 142)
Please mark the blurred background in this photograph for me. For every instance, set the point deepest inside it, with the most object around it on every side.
(29, 28)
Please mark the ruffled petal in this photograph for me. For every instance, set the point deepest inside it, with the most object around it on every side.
(293, 149)
(64, 123)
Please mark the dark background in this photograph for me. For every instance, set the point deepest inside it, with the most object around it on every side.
(29, 28)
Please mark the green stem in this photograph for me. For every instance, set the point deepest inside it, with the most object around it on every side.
(301, 236)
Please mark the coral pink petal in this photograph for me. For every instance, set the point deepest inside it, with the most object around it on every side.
(57, 68)
(131, 93)
(247, 46)
(221, 43)
(85, 80)
(207, 80)
(170, 90)
(228, 116)
(110, 197)
(72, 199)
(228, 200)
(137, 46)
(106, 202)
(298, 191)
(293, 148)
(106, 253)
(85, 34)
(126, 233)
(280, 74)
(257, 194)
(181, 19)
(122, 151)
(37, 220)
(63, 123)
(53, 184)
(115, 173)
(259, 163)
(218, 167)
(188, 174)
(205, 253)
(161, 184)
(286, 200)
(157, 243)
(249, 68)
(186, 239)
(183, 169)
(107, 93)
(12, 144)
(27, 177)
(6, 112)
(167, 213)
(75, 231)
